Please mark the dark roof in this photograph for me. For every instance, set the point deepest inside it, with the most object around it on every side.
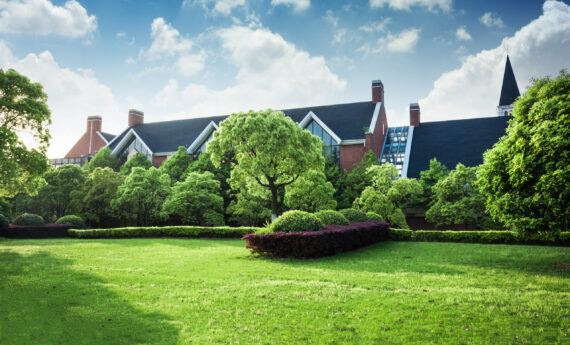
(107, 136)
(509, 90)
(348, 121)
(452, 142)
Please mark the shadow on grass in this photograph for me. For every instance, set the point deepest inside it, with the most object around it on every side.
(43, 300)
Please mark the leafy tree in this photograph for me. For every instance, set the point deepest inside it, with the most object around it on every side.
(5, 208)
(24, 117)
(176, 165)
(252, 204)
(195, 201)
(356, 180)
(526, 175)
(141, 196)
(428, 179)
(269, 148)
(103, 159)
(388, 194)
(338, 180)
(311, 193)
(61, 182)
(137, 160)
(457, 198)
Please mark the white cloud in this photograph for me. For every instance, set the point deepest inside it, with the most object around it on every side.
(190, 64)
(120, 34)
(72, 96)
(444, 5)
(223, 7)
(339, 36)
(166, 39)
(462, 35)
(490, 19)
(330, 18)
(403, 42)
(41, 17)
(298, 5)
(377, 26)
(539, 48)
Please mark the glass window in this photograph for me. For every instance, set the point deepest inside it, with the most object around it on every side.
(331, 148)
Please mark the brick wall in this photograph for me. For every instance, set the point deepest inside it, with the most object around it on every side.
(350, 154)
(158, 160)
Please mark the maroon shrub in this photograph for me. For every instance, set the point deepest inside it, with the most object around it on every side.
(332, 240)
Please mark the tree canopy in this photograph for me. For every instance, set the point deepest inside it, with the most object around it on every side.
(176, 165)
(103, 159)
(137, 160)
(24, 134)
(61, 182)
(310, 193)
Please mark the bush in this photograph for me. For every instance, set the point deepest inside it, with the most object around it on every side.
(332, 217)
(4, 223)
(354, 215)
(71, 220)
(165, 231)
(296, 221)
(314, 244)
(400, 234)
(373, 216)
(29, 219)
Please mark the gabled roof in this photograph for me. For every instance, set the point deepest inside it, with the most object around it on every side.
(452, 142)
(509, 90)
(108, 136)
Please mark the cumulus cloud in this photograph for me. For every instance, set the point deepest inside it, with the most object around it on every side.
(539, 48)
(223, 7)
(166, 39)
(377, 26)
(405, 5)
(41, 17)
(462, 35)
(490, 19)
(403, 42)
(298, 5)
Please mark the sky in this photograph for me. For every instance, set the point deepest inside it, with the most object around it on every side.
(179, 59)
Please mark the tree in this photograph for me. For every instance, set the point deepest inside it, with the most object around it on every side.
(428, 179)
(195, 201)
(176, 165)
(141, 196)
(526, 175)
(356, 180)
(310, 193)
(103, 159)
(24, 117)
(268, 147)
(457, 198)
(252, 204)
(61, 182)
(137, 160)
(388, 194)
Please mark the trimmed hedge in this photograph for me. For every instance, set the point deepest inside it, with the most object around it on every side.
(354, 215)
(332, 217)
(295, 221)
(334, 239)
(165, 231)
(71, 220)
(499, 237)
(44, 231)
(29, 219)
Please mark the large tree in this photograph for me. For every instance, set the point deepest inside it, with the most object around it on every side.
(137, 160)
(103, 159)
(526, 175)
(24, 134)
(310, 193)
(61, 182)
(176, 165)
(268, 147)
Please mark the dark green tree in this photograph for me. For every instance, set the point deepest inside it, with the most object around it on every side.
(356, 181)
(428, 179)
(176, 165)
(137, 160)
(61, 182)
(103, 159)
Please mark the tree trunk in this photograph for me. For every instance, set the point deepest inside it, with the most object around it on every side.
(274, 202)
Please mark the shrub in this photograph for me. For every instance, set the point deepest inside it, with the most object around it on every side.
(29, 219)
(354, 215)
(71, 220)
(4, 223)
(165, 231)
(296, 221)
(333, 240)
(332, 217)
(400, 234)
(373, 216)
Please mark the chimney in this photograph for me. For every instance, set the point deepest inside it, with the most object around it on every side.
(94, 123)
(135, 117)
(377, 91)
(414, 114)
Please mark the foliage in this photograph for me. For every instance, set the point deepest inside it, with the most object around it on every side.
(333, 240)
(296, 221)
(337, 179)
(140, 197)
(5, 208)
(310, 192)
(457, 198)
(103, 159)
(428, 178)
(252, 205)
(372, 216)
(332, 217)
(71, 219)
(24, 121)
(388, 194)
(268, 147)
(176, 165)
(166, 231)
(61, 182)
(137, 160)
(526, 175)
(93, 201)
(29, 219)
(195, 201)
(356, 181)
(4, 222)
(353, 215)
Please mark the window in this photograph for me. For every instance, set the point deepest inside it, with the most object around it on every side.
(134, 144)
(202, 147)
(330, 146)
(394, 150)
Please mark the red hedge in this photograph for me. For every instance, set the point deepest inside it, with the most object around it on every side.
(332, 240)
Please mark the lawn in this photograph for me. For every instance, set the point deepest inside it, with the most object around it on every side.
(178, 291)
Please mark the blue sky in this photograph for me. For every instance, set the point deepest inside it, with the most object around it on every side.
(190, 58)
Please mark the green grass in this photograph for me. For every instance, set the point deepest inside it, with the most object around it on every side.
(177, 291)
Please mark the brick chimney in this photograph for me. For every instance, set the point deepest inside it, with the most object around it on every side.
(414, 114)
(94, 124)
(135, 117)
(377, 91)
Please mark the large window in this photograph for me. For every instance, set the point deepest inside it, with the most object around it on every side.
(330, 145)
(134, 144)
(202, 147)
(394, 150)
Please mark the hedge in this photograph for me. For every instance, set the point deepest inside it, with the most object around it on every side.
(45, 231)
(165, 231)
(501, 237)
(334, 239)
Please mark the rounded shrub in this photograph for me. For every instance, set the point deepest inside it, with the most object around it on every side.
(4, 223)
(373, 216)
(354, 215)
(296, 221)
(71, 219)
(29, 219)
(332, 217)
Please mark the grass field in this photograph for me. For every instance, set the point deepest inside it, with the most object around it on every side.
(177, 291)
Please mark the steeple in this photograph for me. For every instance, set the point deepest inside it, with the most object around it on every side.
(509, 91)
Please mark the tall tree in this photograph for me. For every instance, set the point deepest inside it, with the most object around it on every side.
(137, 160)
(24, 134)
(356, 181)
(176, 165)
(61, 182)
(310, 193)
(103, 159)
(526, 175)
(269, 148)
(428, 179)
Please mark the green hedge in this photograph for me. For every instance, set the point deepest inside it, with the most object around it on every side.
(502, 237)
(166, 231)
